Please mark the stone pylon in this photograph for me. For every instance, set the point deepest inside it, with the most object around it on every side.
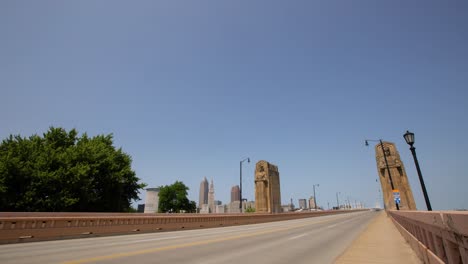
(399, 177)
(267, 188)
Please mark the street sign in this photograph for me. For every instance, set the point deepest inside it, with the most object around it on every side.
(396, 196)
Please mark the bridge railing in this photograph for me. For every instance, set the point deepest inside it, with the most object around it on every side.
(23, 227)
(437, 236)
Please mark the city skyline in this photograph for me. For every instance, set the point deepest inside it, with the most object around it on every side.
(189, 89)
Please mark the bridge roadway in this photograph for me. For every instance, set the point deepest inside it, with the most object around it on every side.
(310, 240)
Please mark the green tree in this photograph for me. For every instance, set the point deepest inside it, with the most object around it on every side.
(63, 172)
(250, 210)
(173, 199)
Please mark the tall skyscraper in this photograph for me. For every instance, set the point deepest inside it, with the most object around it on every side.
(203, 198)
(399, 177)
(211, 198)
(235, 193)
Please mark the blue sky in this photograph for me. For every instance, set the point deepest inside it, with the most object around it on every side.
(189, 88)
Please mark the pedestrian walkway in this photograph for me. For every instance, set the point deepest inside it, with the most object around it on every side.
(381, 242)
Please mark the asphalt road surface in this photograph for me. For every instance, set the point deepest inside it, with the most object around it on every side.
(311, 240)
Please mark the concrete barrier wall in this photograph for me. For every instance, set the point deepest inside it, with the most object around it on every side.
(437, 237)
(25, 227)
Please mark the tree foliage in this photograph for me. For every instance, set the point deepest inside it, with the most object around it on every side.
(173, 199)
(250, 210)
(63, 172)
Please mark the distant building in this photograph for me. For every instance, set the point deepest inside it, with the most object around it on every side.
(287, 208)
(235, 193)
(233, 207)
(211, 198)
(216, 202)
(152, 200)
(141, 208)
(219, 209)
(204, 209)
(312, 202)
(248, 204)
(203, 198)
(302, 203)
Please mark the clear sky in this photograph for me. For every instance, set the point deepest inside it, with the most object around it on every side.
(189, 88)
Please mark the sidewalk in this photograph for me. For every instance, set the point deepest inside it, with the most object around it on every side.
(381, 242)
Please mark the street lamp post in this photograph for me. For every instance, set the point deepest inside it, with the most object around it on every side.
(240, 187)
(409, 138)
(388, 169)
(337, 201)
(315, 197)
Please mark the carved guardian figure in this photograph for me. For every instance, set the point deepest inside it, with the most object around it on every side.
(399, 178)
(267, 188)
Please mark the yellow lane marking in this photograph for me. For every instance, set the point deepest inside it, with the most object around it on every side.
(191, 244)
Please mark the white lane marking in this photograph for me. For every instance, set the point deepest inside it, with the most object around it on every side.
(154, 239)
(294, 237)
(340, 223)
(139, 241)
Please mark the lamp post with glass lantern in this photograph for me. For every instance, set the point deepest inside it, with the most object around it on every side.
(409, 138)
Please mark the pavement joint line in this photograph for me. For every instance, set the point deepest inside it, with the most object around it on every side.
(191, 244)
(295, 237)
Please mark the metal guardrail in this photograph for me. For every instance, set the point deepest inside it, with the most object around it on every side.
(25, 227)
(436, 236)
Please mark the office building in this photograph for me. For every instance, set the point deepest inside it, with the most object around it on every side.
(302, 204)
(235, 193)
(151, 200)
(203, 197)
